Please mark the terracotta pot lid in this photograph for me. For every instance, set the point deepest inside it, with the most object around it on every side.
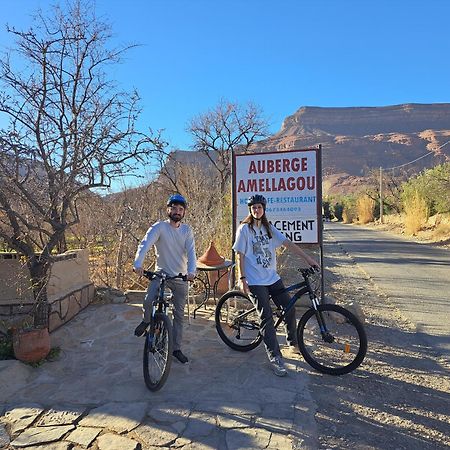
(211, 257)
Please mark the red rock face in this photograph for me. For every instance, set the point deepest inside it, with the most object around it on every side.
(356, 141)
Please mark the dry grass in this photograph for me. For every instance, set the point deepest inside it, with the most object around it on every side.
(364, 208)
(417, 213)
(348, 215)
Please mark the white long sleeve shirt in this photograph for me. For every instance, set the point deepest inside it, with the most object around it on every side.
(175, 248)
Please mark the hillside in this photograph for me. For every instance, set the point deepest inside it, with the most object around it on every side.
(357, 139)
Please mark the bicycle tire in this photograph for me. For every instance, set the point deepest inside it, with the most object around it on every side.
(237, 321)
(349, 346)
(157, 357)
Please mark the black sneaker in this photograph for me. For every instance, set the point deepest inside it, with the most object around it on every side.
(140, 329)
(179, 355)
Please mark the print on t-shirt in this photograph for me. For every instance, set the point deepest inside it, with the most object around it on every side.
(261, 250)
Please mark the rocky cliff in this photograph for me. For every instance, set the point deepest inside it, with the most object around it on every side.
(359, 139)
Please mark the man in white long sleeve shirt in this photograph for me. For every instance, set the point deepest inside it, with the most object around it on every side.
(175, 254)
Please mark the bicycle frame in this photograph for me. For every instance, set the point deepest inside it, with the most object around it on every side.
(159, 304)
(301, 288)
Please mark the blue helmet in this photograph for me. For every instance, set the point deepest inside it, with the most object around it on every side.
(177, 199)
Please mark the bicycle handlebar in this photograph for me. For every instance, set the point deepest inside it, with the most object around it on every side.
(309, 271)
(150, 275)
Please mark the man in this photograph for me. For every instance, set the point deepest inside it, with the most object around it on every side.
(175, 254)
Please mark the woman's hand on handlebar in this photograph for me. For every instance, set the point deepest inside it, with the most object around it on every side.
(139, 271)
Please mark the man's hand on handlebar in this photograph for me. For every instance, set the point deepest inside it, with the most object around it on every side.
(190, 276)
(139, 271)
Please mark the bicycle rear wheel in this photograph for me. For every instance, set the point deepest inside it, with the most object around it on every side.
(237, 321)
(340, 347)
(158, 353)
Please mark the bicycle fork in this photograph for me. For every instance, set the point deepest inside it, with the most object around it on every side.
(326, 335)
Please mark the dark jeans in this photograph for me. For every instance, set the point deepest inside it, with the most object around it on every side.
(260, 295)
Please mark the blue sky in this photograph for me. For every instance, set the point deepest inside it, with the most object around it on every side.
(279, 54)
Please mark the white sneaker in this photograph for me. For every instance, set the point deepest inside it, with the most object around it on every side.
(278, 367)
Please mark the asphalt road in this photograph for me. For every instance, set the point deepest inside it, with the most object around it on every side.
(415, 276)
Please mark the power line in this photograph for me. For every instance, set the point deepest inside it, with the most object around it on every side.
(417, 159)
(398, 167)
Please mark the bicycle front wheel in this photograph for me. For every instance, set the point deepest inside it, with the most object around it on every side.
(338, 346)
(237, 321)
(158, 353)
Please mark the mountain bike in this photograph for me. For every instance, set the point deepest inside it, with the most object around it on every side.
(158, 345)
(330, 338)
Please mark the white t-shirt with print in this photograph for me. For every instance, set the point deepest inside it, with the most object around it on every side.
(259, 253)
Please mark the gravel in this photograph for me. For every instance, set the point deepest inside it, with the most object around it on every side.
(399, 397)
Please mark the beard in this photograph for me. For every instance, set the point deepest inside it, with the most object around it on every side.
(176, 217)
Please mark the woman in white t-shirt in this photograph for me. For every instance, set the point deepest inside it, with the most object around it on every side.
(256, 243)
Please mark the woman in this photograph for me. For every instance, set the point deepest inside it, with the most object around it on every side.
(256, 243)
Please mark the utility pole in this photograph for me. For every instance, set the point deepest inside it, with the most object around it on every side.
(381, 194)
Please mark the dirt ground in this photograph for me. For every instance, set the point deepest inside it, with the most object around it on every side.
(399, 397)
(436, 232)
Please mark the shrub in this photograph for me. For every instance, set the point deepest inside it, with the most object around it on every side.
(365, 207)
(417, 212)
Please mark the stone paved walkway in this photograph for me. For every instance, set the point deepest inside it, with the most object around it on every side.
(94, 395)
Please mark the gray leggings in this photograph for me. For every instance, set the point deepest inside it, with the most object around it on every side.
(260, 296)
(179, 290)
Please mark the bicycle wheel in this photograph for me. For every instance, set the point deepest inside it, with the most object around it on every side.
(237, 321)
(158, 353)
(342, 346)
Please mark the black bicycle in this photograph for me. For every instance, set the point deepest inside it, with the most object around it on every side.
(158, 336)
(331, 339)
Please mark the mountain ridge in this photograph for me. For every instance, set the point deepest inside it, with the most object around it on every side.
(356, 140)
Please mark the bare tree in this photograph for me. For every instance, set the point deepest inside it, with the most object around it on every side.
(70, 129)
(223, 129)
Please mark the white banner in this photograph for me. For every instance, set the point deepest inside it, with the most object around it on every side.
(289, 182)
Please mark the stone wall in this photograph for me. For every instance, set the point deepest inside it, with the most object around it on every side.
(69, 288)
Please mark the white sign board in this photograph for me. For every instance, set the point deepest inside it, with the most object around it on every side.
(290, 183)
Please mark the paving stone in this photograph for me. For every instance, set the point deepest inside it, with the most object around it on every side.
(169, 412)
(180, 426)
(156, 435)
(247, 438)
(61, 415)
(53, 446)
(4, 436)
(83, 436)
(281, 394)
(224, 406)
(228, 421)
(119, 417)
(181, 442)
(41, 435)
(275, 425)
(111, 441)
(278, 410)
(14, 375)
(20, 417)
(199, 424)
(280, 442)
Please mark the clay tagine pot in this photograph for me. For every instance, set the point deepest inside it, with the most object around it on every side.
(211, 257)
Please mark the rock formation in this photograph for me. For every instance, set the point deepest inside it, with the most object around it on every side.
(356, 140)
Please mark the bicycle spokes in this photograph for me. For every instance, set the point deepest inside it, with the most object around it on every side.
(237, 321)
(157, 354)
(331, 342)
